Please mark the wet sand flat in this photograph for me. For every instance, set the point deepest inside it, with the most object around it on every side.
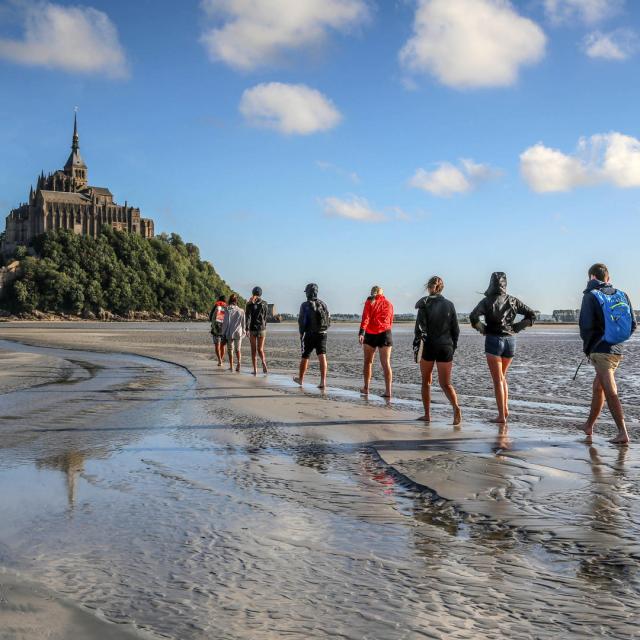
(183, 501)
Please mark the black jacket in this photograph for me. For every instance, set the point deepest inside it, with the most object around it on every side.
(437, 321)
(592, 321)
(308, 316)
(256, 314)
(500, 310)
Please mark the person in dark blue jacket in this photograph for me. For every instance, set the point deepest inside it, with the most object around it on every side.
(604, 357)
(313, 322)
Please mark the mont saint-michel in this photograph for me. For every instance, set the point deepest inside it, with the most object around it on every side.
(64, 199)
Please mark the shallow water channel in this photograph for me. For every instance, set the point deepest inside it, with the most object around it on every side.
(129, 489)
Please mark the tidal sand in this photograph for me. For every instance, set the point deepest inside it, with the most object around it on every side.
(146, 493)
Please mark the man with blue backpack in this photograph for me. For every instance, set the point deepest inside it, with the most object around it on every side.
(313, 322)
(606, 322)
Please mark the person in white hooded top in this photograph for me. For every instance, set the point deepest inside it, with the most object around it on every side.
(233, 330)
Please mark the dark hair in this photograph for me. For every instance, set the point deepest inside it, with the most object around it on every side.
(233, 299)
(436, 283)
(600, 271)
(222, 298)
(257, 291)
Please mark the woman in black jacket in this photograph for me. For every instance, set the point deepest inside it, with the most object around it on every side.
(499, 328)
(256, 313)
(437, 330)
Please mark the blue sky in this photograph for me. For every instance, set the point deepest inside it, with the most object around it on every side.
(346, 142)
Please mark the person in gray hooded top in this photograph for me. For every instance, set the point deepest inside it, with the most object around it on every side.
(500, 310)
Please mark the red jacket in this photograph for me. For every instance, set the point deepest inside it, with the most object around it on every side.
(377, 316)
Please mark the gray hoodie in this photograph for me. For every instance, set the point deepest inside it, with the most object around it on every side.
(233, 325)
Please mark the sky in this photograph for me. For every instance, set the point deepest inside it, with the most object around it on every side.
(346, 142)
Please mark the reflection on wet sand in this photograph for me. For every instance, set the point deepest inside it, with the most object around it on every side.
(71, 464)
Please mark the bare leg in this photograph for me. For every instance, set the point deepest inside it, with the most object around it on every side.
(506, 363)
(260, 345)
(426, 369)
(444, 378)
(254, 353)
(497, 368)
(597, 404)
(608, 383)
(322, 359)
(385, 361)
(238, 355)
(223, 348)
(230, 352)
(304, 363)
(367, 368)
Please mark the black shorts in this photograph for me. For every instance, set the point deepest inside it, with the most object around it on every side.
(377, 340)
(437, 352)
(311, 341)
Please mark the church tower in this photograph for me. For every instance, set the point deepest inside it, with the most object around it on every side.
(75, 167)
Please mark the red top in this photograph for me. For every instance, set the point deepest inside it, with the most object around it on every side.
(219, 310)
(377, 316)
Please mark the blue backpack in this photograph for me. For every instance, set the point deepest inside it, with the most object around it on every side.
(617, 316)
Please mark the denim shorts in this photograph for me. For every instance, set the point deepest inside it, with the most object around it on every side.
(501, 346)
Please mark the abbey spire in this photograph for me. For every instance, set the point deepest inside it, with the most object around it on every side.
(75, 166)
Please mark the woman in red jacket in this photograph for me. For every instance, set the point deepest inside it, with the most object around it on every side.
(375, 333)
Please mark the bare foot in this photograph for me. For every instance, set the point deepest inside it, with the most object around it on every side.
(298, 380)
(386, 395)
(322, 385)
(620, 439)
(426, 419)
(219, 364)
(255, 372)
(230, 368)
(587, 429)
(364, 391)
(264, 369)
(238, 368)
(499, 420)
(457, 416)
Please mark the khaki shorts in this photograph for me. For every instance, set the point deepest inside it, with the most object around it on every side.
(605, 360)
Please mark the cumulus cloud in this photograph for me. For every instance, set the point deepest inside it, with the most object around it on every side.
(608, 158)
(288, 108)
(75, 39)
(615, 45)
(353, 208)
(588, 11)
(472, 43)
(448, 179)
(255, 33)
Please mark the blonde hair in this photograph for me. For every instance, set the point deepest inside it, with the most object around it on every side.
(376, 291)
(436, 283)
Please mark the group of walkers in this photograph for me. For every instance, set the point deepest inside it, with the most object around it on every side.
(606, 322)
(230, 324)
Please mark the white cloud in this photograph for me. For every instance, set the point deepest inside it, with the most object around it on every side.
(609, 158)
(588, 11)
(288, 108)
(472, 43)
(448, 179)
(75, 39)
(255, 33)
(353, 208)
(615, 45)
(333, 168)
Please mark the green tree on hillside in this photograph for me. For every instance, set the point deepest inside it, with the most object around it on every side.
(118, 272)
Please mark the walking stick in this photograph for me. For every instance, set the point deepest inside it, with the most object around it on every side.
(575, 375)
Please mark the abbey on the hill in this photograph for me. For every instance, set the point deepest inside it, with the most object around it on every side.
(65, 200)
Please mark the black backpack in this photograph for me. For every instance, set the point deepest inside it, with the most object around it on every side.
(320, 318)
